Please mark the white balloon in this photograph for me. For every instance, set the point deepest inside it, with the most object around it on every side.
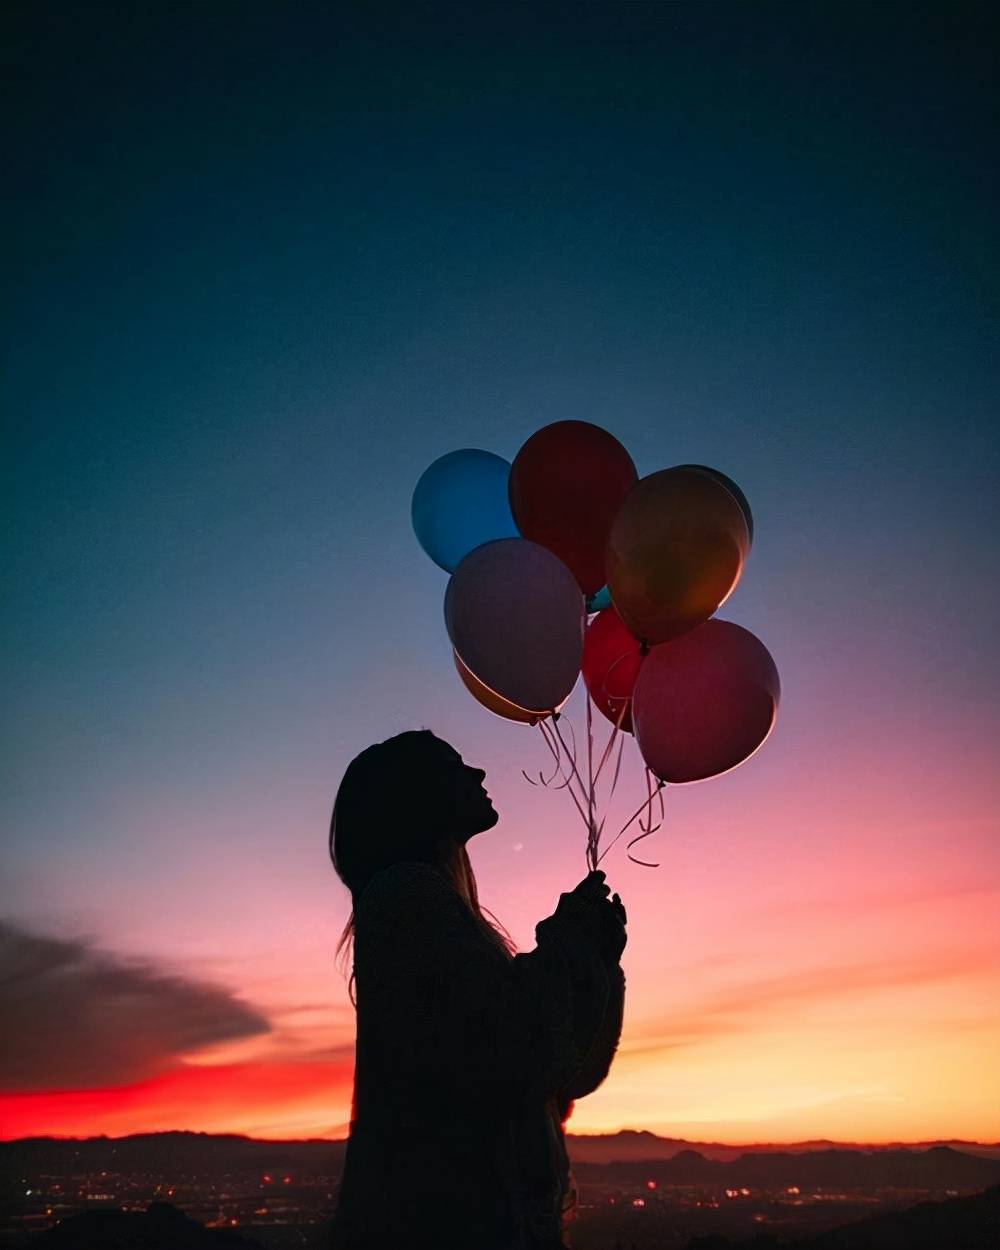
(515, 616)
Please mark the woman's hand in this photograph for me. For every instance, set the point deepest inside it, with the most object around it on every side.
(603, 919)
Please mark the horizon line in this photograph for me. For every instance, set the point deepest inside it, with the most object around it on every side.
(285, 1141)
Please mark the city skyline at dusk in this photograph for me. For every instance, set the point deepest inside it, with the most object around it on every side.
(267, 272)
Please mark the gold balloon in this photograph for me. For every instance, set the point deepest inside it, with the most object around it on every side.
(675, 553)
(492, 701)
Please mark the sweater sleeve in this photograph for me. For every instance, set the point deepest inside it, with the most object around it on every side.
(445, 1009)
(597, 1058)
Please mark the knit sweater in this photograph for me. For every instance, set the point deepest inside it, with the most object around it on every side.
(467, 1062)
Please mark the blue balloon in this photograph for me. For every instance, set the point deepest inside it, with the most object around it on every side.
(461, 502)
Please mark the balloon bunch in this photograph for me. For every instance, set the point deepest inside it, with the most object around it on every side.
(565, 561)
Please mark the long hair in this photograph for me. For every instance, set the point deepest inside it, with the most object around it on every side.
(368, 831)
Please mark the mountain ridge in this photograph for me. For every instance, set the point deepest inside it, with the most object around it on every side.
(624, 1142)
(637, 1144)
(626, 1147)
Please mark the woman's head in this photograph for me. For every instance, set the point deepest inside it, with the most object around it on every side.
(411, 797)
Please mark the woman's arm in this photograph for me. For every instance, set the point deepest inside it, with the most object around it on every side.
(440, 1006)
(597, 1059)
(593, 933)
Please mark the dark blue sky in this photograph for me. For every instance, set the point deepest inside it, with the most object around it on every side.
(267, 262)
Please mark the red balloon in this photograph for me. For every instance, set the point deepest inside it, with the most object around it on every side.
(611, 662)
(675, 552)
(704, 702)
(566, 485)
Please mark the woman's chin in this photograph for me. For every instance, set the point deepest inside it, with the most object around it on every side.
(489, 819)
(482, 817)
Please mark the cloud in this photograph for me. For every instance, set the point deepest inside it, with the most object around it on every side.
(80, 1018)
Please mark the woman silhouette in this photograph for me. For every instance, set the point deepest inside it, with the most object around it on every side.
(468, 1056)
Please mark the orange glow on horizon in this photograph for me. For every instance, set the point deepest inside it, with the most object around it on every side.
(280, 1101)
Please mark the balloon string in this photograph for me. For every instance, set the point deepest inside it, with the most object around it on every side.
(555, 754)
(618, 765)
(608, 750)
(625, 702)
(591, 797)
(611, 741)
(649, 800)
(554, 749)
(557, 763)
(651, 828)
(546, 731)
(574, 772)
(586, 792)
(614, 785)
(626, 699)
(631, 820)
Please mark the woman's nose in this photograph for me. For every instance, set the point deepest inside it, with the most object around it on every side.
(480, 774)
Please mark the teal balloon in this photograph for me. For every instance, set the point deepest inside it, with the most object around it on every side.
(461, 502)
(599, 600)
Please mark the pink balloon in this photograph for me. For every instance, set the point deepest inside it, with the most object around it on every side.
(704, 702)
(515, 616)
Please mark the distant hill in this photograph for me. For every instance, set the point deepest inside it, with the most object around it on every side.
(177, 1153)
(634, 1145)
(971, 1223)
(666, 1160)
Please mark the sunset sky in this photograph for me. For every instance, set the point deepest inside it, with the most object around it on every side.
(268, 262)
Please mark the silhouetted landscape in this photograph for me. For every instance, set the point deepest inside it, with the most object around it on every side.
(180, 1190)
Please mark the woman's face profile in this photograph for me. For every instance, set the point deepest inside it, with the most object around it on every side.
(468, 806)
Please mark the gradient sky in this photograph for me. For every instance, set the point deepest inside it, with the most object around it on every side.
(266, 263)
